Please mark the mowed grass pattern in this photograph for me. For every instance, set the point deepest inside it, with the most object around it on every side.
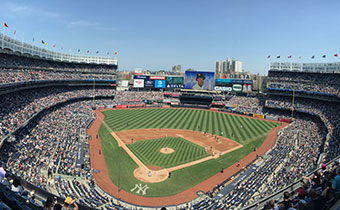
(120, 165)
(148, 151)
(240, 129)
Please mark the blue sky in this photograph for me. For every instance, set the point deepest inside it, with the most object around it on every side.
(159, 34)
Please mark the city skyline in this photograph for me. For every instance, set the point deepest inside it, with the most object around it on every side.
(195, 34)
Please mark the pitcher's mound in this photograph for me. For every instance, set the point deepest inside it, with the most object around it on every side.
(167, 150)
(151, 176)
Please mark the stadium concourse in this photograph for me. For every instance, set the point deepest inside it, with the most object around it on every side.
(48, 124)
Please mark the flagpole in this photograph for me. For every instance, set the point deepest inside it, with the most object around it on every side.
(293, 102)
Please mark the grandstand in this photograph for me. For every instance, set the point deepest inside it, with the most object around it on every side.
(46, 106)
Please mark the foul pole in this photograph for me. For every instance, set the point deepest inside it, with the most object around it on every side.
(293, 102)
(94, 89)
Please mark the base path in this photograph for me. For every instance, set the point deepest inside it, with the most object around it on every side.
(103, 180)
(215, 145)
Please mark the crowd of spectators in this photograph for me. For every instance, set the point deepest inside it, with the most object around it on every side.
(45, 153)
(246, 104)
(25, 75)
(320, 191)
(49, 143)
(15, 109)
(15, 61)
(294, 155)
(12, 186)
(328, 113)
(133, 97)
(313, 82)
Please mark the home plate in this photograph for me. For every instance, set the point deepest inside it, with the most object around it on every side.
(179, 135)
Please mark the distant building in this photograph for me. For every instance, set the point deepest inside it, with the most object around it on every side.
(228, 66)
(237, 66)
(176, 69)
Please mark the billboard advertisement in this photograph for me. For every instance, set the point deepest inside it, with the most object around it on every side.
(247, 88)
(157, 77)
(174, 80)
(140, 77)
(138, 83)
(224, 81)
(223, 88)
(227, 82)
(237, 88)
(159, 83)
(199, 80)
(181, 86)
(149, 83)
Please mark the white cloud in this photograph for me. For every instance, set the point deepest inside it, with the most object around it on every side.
(92, 24)
(24, 10)
(83, 23)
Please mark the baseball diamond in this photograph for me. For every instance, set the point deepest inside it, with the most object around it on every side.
(214, 127)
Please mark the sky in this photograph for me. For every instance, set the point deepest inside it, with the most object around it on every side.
(158, 34)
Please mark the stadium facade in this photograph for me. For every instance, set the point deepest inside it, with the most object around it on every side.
(9, 44)
(306, 67)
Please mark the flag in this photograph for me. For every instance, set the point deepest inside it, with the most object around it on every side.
(336, 55)
(88, 51)
(313, 57)
(97, 52)
(268, 56)
(107, 53)
(33, 39)
(15, 31)
(5, 25)
(42, 42)
(299, 57)
(54, 45)
(289, 56)
(278, 56)
(62, 48)
(324, 56)
(78, 50)
(116, 53)
(46, 43)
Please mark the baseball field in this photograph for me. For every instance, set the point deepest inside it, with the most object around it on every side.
(192, 144)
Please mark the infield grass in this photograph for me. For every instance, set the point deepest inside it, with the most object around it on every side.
(248, 132)
(148, 151)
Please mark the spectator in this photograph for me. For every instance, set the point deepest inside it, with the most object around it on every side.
(316, 202)
(69, 204)
(49, 203)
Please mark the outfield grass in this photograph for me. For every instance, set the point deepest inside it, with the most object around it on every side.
(148, 151)
(248, 132)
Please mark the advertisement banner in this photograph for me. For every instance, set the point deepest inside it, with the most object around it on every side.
(149, 83)
(247, 88)
(199, 80)
(224, 80)
(221, 88)
(121, 106)
(258, 115)
(237, 81)
(175, 86)
(237, 88)
(174, 80)
(138, 83)
(140, 77)
(157, 77)
(159, 83)
(247, 81)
